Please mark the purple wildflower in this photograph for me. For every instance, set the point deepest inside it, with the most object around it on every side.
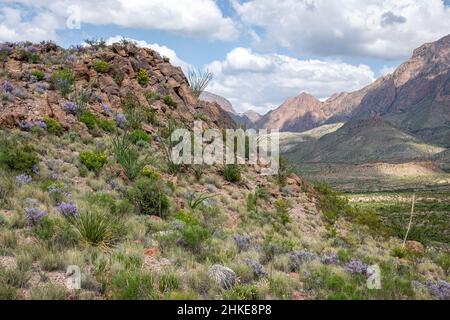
(330, 258)
(297, 258)
(24, 179)
(34, 215)
(106, 109)
(71, 58)
(258, 268)
(35, 169)
(41, 124)
(121, 120)
(25, 125)
(70, 107)
(7, 86)
(242, 242)
(40, 89)
(68, 210)
(440, 290)
(356, 267)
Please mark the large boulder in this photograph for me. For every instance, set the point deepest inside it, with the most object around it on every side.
(223, 276)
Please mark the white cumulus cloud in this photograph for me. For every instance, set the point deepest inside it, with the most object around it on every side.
(200, 18)
(388, 29)
(263, 81)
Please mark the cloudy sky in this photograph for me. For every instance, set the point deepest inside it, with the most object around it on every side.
(260, 51)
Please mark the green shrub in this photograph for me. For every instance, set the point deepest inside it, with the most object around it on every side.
(38, 74)
(49, 291)
(16, 156)
(8, 292)
(28, 56)
(142, 77)
(53, 126)
(101, 66)
(134, 112)
(93, 160)
(16, 277)
(107, 125)
(96, 229)
(149, 197)
(89, 119)
(168, 282)
(194, 235)
(7, 187)
(63, 81)
(151, 97)
(168, 100)
(283, 206)
(132, 285)
(139, 135)
(232, 173)
(242, 292)
(281, 286)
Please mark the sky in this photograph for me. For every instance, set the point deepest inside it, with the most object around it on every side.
(261, 52)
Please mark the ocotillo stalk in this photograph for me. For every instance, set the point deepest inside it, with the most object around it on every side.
(410, 221)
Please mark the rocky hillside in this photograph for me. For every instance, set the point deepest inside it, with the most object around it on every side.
(415, 98)
(247, 119)
(363, 141)
(86, 179)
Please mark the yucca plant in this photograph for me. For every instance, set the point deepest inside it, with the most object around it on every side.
(199, 80)
(96, 229)
(128, 156)
(194, 200)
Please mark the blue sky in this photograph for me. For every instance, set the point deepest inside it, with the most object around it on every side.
(260, 51)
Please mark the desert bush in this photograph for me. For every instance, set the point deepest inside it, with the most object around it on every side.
(7, 187)
(101, 66)
(53, 126)
(28, 56)
(142, 77)
(39, 75)
(168, 100)
(149, 197)
(49, 291)
(242, 292)
(283, 206)
(17, 156)
(139, 135)
(107, 125)
(7, 292)
(63, 81)
(152, 97)
(89, 119)
(15, 277)
(232, 173)
(194, 235)
(93, 160)
(132, 285)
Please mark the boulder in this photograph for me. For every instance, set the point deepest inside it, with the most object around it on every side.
(223, 276)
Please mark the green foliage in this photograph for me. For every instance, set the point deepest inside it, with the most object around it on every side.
(89, 119)
(284, 171)
(96, 229)
(142, 77)
(101, 66)
(53, 126)
(194, 235)
(152, 97)
(168, 282)
(168, 100)
(149, 197)
(16, 277)
(132, 285)
(63, 81)
(128, 156)
(195, 200)
(107, 125)
(274, 245)
(38, 74)
(283, 206)
(17, 156)
(49, 291)
(242, 292)
(93, 160)
(7, 292)
(134, 112)
(28, 56)
(232, 173)
(139, 135)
